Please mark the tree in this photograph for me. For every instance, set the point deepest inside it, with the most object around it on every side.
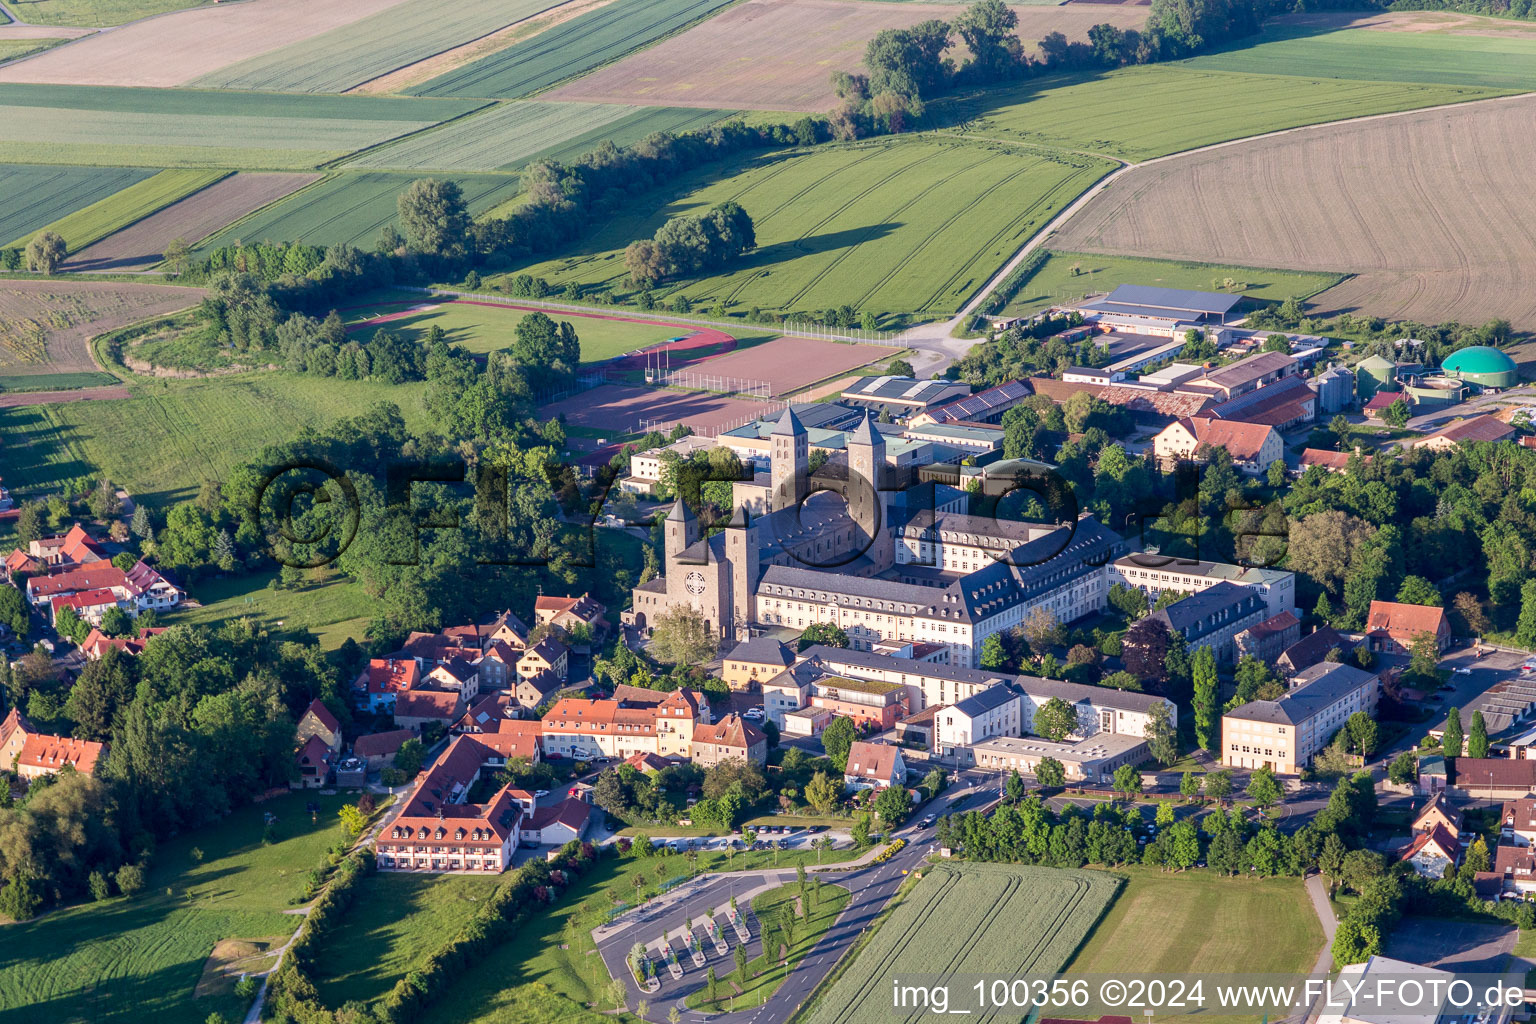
(823, 791)
(1056, 720)
(837, 738)
(898, 367)
(1404, 769)
(1218, 785)
(1398, 413)
(410, 757)
(129, 879)
(893, 805)
(992, 655)
(353, 821)
(1164, 816)
(1452, 740)
(823, 633)
(116, 622)
(1127, 780)
(1190, 784)
(45, 252)
(1050, 773)
(1362, 733)
(1013, 787)
(741, 963)
(1330, 860)
(1263, 789)
(1144, 651)
(859, 833)
(1042, 629)
(1205, 699)
(435, 217)
(1418, 590)
(1162, 737)
(681, 637)
(1525, 628)
(1323, 546)
(1477, 738)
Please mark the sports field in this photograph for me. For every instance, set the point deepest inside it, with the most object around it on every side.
(352, 54)
(200, 128)
(352, 208)
(509, 135)
(175, 49)
(130, 960)
(38, 194)
(134, 203)
(140, 245)
(569, 49)
(1424, 209)
(994, 920)
(1142, 112)
(777, 54)
(788, 364)
(897, 226)
(1072, 276)
(621, 409)
(45, 324)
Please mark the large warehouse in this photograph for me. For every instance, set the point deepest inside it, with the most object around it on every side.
(1173, 304)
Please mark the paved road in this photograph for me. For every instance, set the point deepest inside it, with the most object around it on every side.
(872, 887)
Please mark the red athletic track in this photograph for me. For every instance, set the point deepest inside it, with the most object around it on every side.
(698, 338)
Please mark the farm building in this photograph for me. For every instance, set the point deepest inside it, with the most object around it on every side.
(1481, 365)
(1170, 304)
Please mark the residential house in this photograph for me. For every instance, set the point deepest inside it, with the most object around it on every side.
(439, 829)
(416, 708)
(313, 761)
(566, 614)
(383, 680)
(455, 675)
(556, 824)
(584, 729)
(1284, 735)
(98, 643)
(73, 548)
(753, 661)
(731, 738)
(874, 766)
(870, 703)
(1391, 627)
(89, 605)
(1438, 811)
(786, 692)
(1213, 618)
(1517, 822)
(137, 589)
(1267, 640)
(483, 715)
(995, 711)
(1253, 446)
(547, 657)
(378, 749)
(531, 692)
(647, 763)
(1313, 649)
(318, 720)
(1477, 428)
(1516, 868)
(1432, 851)
(32, 754)
(19, 564)
(1333, 462)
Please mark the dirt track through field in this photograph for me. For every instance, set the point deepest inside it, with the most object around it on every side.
(780, 54)
(176, 48)
(1427, 209)
(139, 246)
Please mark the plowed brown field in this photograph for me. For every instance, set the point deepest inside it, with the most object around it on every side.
(45, 326)
(139, 246)
(780, 54)
(1428, 210)
(177, 48)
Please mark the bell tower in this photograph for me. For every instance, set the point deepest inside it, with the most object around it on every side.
(789, 455)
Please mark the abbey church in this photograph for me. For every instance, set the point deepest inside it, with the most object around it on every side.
(849, 545)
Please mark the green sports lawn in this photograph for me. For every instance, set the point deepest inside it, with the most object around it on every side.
(910, 225)
(131, 960)
(1055, 282)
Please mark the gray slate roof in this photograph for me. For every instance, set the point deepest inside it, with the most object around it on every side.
(1316, 689)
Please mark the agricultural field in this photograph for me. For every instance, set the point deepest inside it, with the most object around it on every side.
(1424, 209)
(569, 49)
(970, 919)
(132, 204)
(171, 435)
(348, 56)
(176, 49)
(38, 195)
(776, 55)
(195, 128)
(141, 245)
(45, 325)
(1072, 276)
(352, 208)
(1393, 47)
(93, 13)
(1138, 113)
(908, 226)
(509, 135)
(622, 409)
(15, 49)
(1188, 923)
(130, 960)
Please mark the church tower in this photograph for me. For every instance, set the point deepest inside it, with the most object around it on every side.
(866, 500)
(741, 548)
(789, 456)
(681, 530)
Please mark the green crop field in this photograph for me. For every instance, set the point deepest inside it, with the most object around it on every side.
(201, 128)
(510, 135)
(995, 920)
(351, 207)
(570, 49)
(37, 195)
(94, 13)
(1142, 112)
(1493, 62)
(907, 226)
(1055, 282)
(348, 56)
(168, 438)
(130, 960)
(55, 381)
(15, 49)
(133, 203)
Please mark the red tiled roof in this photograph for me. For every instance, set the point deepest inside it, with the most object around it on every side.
(1242, 439)
(90, 577)
(85, 599)
(381, 744)
(323, 713)
(871, 761)
(19, 561)
(513, 738)
(1329, 460)
(569, 812)
(79, 547)
(1440, 837)
(730, 731)
(1494, 772)
(313, 752)
(389, 675)
(646, 761)
(442, 705)
(1478, 428)
(1404, 621)
(53, 752)
(97, 642)
(1274, 624)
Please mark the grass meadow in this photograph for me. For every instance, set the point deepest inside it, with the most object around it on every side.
(906, 226)
(1055, 282)
(94, 13)
(130, 960)
(569, 49)
(37, 194)
(352, 207)
(15, 49)
(328, 605)
(510, 135)
(133, 203)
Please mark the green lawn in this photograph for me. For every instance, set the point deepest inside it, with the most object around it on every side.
(15, 49)
(1166, 923)
(332, 607)
(1054, 282)
(908, 226)
(767, 972)
(1142, 112)
(1506, 61)
(131, 960)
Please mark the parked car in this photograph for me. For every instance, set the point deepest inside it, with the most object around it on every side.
(1462, 671)
(927, 822)
(540, 793)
